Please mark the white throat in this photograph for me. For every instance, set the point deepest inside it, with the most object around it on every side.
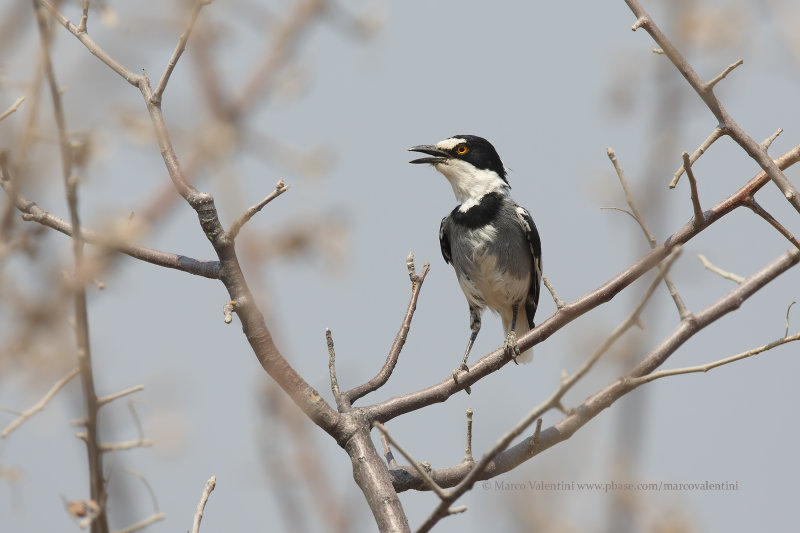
(470, 184)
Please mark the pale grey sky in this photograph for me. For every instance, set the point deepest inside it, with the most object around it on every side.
(552, 85)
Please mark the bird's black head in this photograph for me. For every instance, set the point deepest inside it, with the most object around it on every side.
(471, 149)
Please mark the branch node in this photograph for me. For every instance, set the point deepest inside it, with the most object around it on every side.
(641, 21)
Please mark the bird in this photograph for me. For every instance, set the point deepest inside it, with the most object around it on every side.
(491, 241)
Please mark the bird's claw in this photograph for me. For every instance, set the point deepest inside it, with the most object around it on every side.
(456, 371)
(510, 346)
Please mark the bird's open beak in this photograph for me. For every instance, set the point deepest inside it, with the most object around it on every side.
(439, 156)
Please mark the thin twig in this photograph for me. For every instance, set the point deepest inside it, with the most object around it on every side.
(769, 140)
(705, 90)
(635, 382)
(756, 208)
(420, 470)
(708, 86)
(201, 505)
(558, 301)
(41, 404)
(179, 48)
(399, 341)
(683, 311)
(152, 519)
(716, 134)
(147, 485)
(699, 220)
(788, 310)
(716, 270)
(101, 401)
(280, 188)
(468, 450)
(12, 108)
(387, 452)
(342, 401)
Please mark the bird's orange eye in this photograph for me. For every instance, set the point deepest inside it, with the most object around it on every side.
(462, 149)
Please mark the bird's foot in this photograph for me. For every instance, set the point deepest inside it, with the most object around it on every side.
(510, 346)
(456, 371)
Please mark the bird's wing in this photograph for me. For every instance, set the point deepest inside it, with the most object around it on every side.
(532, 235)
(444, 239)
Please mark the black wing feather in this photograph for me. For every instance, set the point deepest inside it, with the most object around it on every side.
(532, 235)
(444, 238)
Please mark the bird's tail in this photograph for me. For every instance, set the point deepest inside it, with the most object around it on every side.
(521, 329)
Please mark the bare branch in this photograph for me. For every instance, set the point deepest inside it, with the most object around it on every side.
(12, 108)
(763, 213)
(706, 93)
(635, 382)
(716, 270)
(179, 48)
(698, 211)
(558, 301)
(508, 459)
(147, 485)
(683, 311)
(716, 134)
(417, 466)
(710, 85)
(201, 505)
(468, 450)
(788, 310)
(769, 140)
(88, 42)
(342, 401)
(397, 346)
(101, 401)
(152, 519)
(40, 405)
(33, 213)
(280, 188)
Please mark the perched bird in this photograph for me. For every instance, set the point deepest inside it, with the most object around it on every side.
(491, 241)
